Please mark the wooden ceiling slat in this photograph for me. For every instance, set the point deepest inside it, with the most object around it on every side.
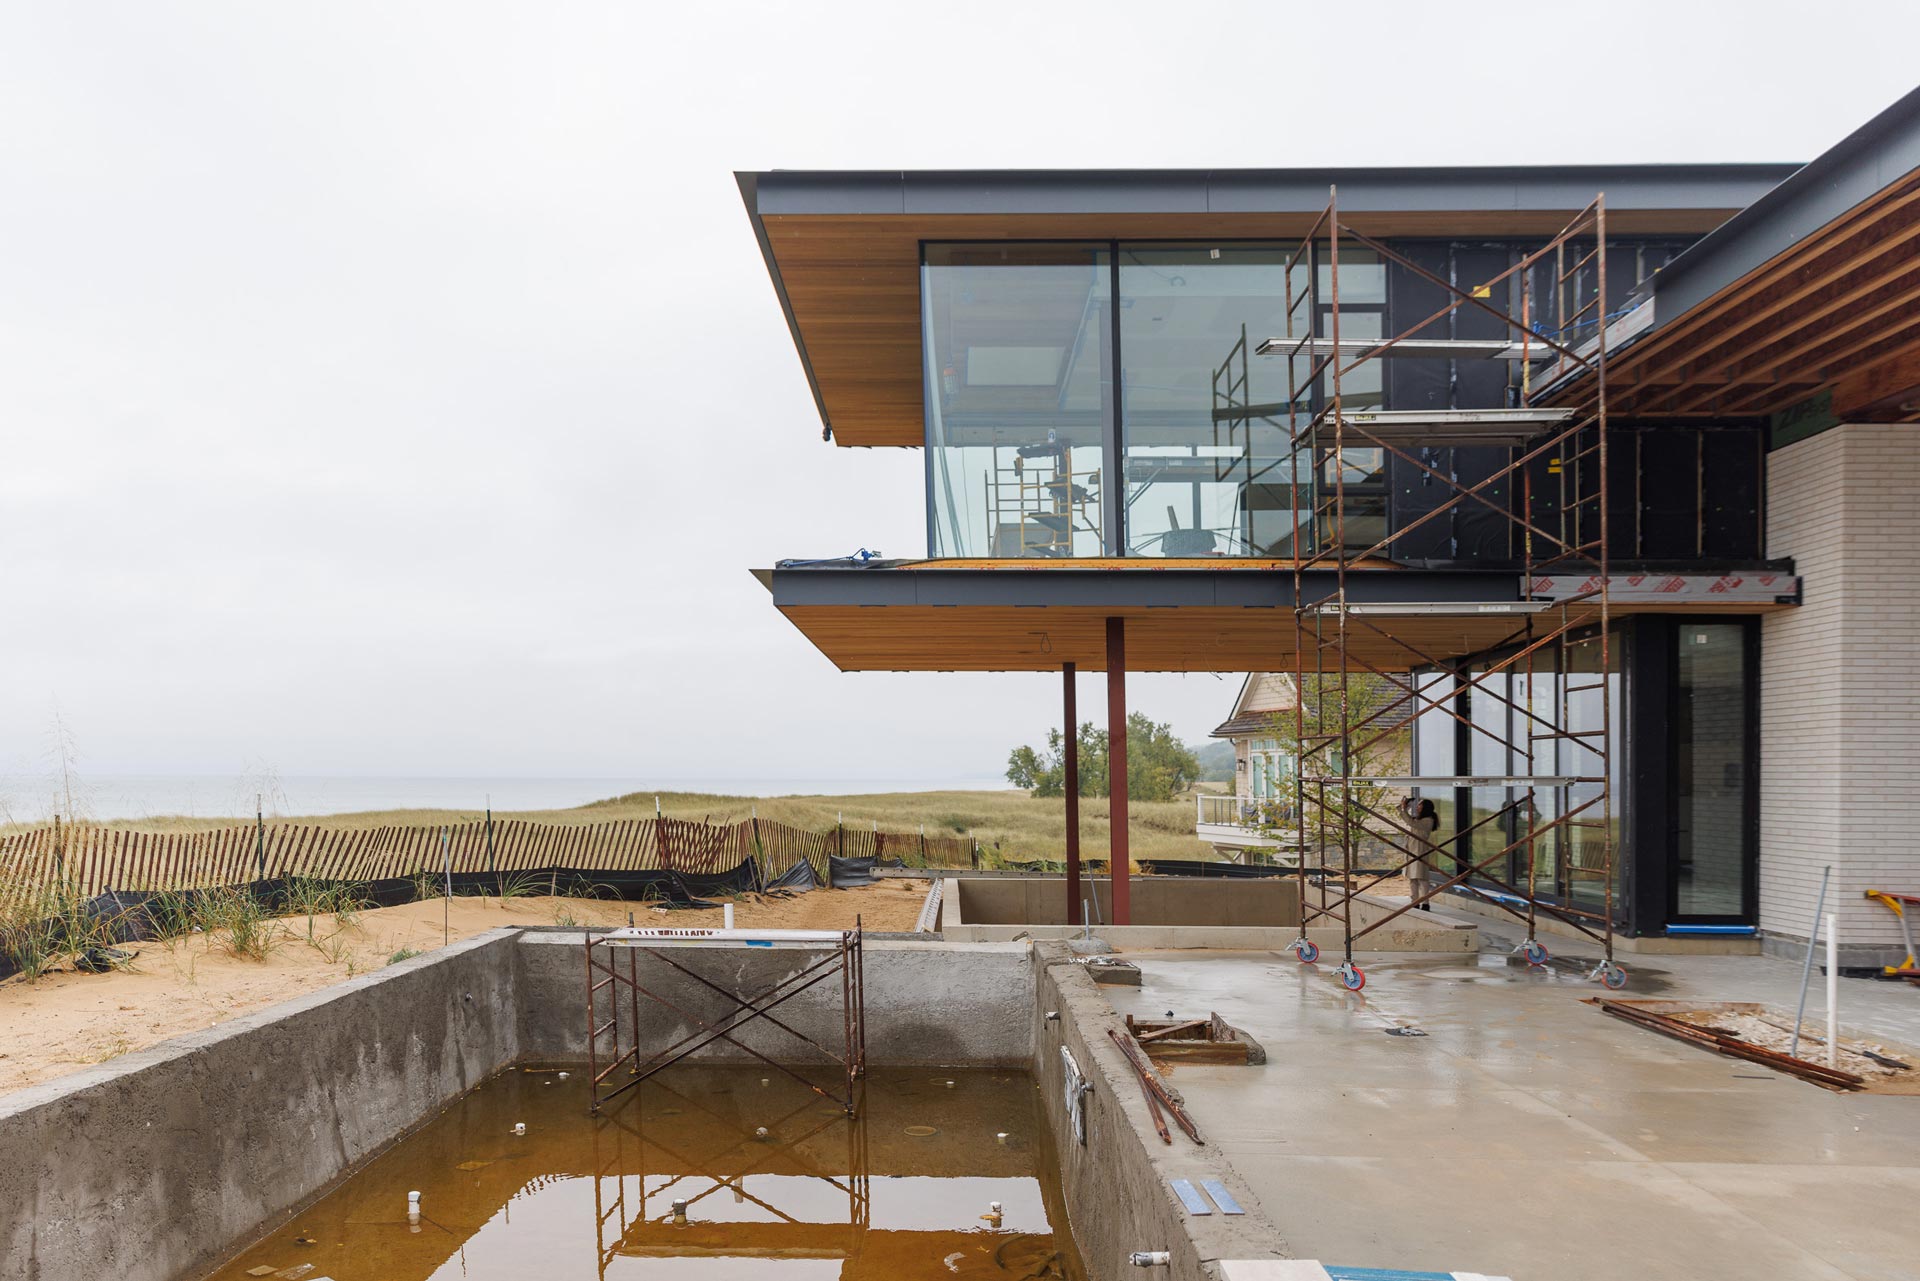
(1811, 354)
(1187, 639)
(1805, 256)
(1696, 372)
(1885, 348)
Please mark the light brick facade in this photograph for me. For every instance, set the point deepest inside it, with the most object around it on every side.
(1840, 687)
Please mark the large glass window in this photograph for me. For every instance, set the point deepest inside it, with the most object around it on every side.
(1023, 396)
(1710, 743)
(1018, 392)
(1203, 418)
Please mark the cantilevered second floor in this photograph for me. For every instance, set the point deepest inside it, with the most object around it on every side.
(1087, 357)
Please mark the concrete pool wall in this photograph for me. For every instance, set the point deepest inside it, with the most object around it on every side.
(1180, 912)
(160, 1164)
(153, 1166)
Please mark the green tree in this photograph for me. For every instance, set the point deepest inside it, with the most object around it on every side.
(1313, 740)
(1158, 764)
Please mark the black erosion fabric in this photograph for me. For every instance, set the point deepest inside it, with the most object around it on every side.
(130, 916)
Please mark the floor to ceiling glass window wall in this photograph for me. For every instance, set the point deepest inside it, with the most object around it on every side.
(1018, 353)
(1515, 718)
(1025, 399)
(1203, 418)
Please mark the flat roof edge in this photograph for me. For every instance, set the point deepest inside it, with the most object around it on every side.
(1092, 191)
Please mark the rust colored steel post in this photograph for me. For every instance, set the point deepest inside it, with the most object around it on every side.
(593, 1063)
(1117, 768)
(1072, 722)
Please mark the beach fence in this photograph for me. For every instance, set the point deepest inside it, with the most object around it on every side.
(95, 859)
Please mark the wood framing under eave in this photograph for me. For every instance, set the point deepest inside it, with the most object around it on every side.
(1809, 318)
(1889, 390)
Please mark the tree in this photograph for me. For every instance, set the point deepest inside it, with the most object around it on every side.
(1313, 742)
(1158, 764)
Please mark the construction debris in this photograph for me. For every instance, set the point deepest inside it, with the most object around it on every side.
(1158, 1095)
(1202, 1040)
(1724, 1039)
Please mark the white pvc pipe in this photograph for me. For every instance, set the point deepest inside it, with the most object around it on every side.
(1833, 994)
(726, 916)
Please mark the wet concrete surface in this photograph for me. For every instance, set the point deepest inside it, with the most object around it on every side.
(1529, 1135)
(779, 1184)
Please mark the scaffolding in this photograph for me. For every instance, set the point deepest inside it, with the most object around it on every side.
(1036, 501)
(1537, 832)
(615, 1041)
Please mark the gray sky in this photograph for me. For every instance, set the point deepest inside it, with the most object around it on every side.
(397, 388)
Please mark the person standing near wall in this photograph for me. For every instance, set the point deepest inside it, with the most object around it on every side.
(1423, 820)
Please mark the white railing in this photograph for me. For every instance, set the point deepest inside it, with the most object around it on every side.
(1247, 813)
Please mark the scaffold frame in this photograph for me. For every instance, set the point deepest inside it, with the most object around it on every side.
(1562, 531)
(841, 953)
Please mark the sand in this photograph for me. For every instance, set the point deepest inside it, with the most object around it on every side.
(69, 1020)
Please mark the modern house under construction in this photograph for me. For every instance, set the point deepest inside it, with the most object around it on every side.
(1601, 473)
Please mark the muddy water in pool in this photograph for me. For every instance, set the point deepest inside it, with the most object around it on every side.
(778, 1184)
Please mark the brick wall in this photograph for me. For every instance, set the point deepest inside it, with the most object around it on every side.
(1840, 685)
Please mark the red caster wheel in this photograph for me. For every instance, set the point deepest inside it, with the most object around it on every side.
(1352, 977)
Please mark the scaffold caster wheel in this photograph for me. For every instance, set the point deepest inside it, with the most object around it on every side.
(1612, 977)
(1306, 949)
(1352, 977)
(1535, 951)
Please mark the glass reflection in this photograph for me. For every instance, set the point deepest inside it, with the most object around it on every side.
(1018, 372)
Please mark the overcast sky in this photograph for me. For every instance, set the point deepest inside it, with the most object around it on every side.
(397, 388)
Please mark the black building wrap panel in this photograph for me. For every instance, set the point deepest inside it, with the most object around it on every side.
(1734, 460)
(1669, 494)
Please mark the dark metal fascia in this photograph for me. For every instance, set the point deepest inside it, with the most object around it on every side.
(1866, 161)
(1096, 191)
(750, 196)
(1124, 589)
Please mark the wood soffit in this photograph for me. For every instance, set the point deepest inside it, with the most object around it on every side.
(923, 638)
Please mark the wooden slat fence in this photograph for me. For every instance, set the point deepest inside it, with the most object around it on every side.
(93, 859)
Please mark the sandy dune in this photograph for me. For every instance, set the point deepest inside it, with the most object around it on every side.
(68, 1019)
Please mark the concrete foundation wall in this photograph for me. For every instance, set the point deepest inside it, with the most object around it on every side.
(940, 1004)
(154, 1166)
(1156, 900)
(1118, 1198)
(1840, 688)
(1003, 897)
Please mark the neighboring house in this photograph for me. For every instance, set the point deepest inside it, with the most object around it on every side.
(1257, 815)
(1102, 373)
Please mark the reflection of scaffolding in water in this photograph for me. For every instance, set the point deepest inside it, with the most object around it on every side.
(632, 1220)
(1562, 527)
(1037, 502)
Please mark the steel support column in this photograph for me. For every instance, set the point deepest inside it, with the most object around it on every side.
(1072, 759)
(1117, 767)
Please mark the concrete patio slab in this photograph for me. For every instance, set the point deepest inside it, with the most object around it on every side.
(1526, 1134)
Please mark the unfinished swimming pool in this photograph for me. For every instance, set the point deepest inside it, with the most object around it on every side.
(701, 1173)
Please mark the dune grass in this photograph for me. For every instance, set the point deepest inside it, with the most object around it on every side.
(1021, 826)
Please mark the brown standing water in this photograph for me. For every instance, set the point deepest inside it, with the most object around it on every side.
(899, 1192)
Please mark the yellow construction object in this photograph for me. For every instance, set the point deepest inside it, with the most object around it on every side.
(1896, 903)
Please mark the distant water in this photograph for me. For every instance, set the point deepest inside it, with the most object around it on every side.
(31, 799)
